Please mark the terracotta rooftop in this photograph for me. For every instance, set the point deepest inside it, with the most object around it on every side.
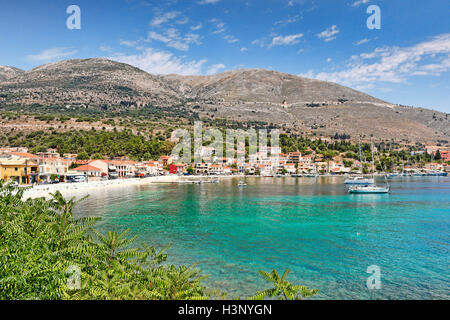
(87, 167)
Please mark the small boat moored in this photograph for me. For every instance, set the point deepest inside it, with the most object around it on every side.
(242, 184)
(368, 189)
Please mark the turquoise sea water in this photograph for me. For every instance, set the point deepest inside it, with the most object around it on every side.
(312, 226)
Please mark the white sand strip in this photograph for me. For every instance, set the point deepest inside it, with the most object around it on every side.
(82, 188)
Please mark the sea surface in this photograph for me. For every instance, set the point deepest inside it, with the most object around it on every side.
(312, 226)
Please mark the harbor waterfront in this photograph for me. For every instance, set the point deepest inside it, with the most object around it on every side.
(311, 225)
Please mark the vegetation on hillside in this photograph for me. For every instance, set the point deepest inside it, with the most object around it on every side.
(106, 143)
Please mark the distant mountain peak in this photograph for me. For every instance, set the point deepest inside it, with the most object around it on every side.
(7, 72)
(296, 103)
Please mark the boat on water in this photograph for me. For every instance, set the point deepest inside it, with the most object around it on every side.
(242, 184)
(436, 173)
(368, 189)
(360, 181)
(310, 175)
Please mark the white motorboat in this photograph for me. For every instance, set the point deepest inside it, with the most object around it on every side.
(368, 189)
(242, 184)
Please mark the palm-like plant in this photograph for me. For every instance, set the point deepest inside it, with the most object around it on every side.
(40, 240)
(282, 288)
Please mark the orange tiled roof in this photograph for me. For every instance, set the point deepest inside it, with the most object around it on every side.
(25, 155)
(87, 167)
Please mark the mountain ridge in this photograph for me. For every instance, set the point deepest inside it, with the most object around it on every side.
(296, 103)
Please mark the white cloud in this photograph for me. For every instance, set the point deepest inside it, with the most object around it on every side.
(258, 43)
(183, 20)
(244, 49)
(219, 25)
(329, 60)
(208, 1)
(362, 41)
(394, 64)
(287, 21)
(157, 21)
(215, 68)
(128, 43)
(52, 54)
(231, 38)
(329, 34)
(197, 27)
(172, 38)
(359, 2)
(286, 40)
(161, 62)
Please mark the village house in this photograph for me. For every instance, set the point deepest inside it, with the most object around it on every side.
(151, 169)
(201, 168)
(125, 168)
(179, 169)
(52, 166)
(215, 169)
(445, 155)
(290, 168)
(165, 161)
(20, 170)
(103, 165)
(227, 170)
(50, 153)
(294, 157)
(70, 156)
(89, 171)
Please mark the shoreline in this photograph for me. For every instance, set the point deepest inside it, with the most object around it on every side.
(84, 188)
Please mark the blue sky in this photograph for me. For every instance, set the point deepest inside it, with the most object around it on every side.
(407, 61)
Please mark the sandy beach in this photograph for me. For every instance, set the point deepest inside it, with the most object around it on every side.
(81, 189)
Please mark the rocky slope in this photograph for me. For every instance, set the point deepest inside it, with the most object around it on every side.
(7, 73)
(298, 104)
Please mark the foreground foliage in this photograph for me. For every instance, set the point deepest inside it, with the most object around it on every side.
(282, 288)
(45, 253)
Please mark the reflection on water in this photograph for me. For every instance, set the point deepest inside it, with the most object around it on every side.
(312, 226)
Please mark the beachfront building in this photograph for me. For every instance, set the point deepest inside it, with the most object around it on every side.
(179, 169)
(150, 168)
(290, 168)
(20, 170)
(215, 169)
(124, 168)
(201, 168)
(89, 171)
(338, 168)
(165, 161)
(49, 167)
(103, 165)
